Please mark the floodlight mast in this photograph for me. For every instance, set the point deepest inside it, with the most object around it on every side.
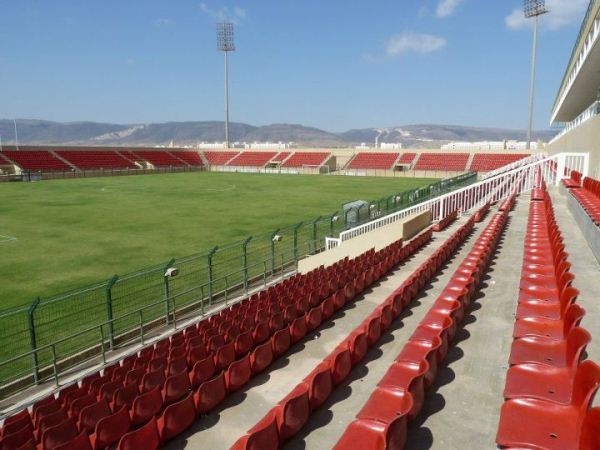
(533, 9)
(225, 44)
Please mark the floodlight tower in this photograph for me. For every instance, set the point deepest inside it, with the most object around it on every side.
(226, 44)
(533, 9)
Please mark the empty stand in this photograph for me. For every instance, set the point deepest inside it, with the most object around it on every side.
(485, 162)
(252, 159)
(281, 156)
(454, 162)
(219, 158)
(160, 158)
(300, 159)
(96, 159)
(407, 158)
(373, 160)
(190, 157)
(4, 160)
(36, 160)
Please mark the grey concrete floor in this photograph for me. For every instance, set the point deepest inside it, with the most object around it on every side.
(242, 410)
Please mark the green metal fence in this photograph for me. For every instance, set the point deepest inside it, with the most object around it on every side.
(41, 340)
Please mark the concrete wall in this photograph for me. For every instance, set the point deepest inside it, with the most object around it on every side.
(377, 239)
(586, 139)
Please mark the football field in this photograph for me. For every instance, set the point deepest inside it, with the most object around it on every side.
(60, 235)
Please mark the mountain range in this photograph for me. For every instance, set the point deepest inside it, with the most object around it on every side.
(43, 132)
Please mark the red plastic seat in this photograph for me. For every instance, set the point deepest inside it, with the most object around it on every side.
(124, 396)
(238, 373)
(313, 318)
(176, 387)
(81, 442)
(590, 438)
(386, 404)
(176, 366)
(542, 350)
(293, 412)
(90, 415)
(110, 429)
(224, 356)
(108, 389)
(327, 308)
(320, 385)
(357, 344)
(177, 418)
(210, 394)
(553, 329)
(17, 439)
(134, 376)
(146, 438)
(152, 380)
(146, 406)
(547, 309)
(261, 332)
(417, 351)
(243, 343)
(16, 423)
(340, 364)
(203, 370)
(529, 422)
(281, 342)
(373, 328)
(298, 329)
(375, 435)
(261, 357)
(262, 436)
(58, 435)
(45, 410)
(409, 377)
(49, 421)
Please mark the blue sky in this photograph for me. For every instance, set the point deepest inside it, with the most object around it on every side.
(333, 64)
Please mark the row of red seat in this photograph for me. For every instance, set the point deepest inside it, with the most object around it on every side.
(399, 396)
(36, 160)
(252, 159)
(266, 325)
(486, 162)
(587, 194)
(96, 159)
(373, 160)
(446, 221)
(548, 391)
(293, 411)
(442, 161)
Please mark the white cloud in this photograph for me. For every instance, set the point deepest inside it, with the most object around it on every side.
(163, 22)
(413, 42)
(446, 8)
(562, 13)
(237, 15)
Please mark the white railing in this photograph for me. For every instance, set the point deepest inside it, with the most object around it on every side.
(591, 112)
(518, 180)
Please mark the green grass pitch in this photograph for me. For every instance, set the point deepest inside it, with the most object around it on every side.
(60, 235)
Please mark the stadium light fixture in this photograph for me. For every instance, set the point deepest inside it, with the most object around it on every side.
(533, 9)
(171, 272)
(226, 44)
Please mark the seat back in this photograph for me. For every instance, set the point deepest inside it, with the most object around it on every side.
(203, 370)
(152, 380)
(146, 438)
(585, 385)
(146, 406)
(577, 341)
(177, 418)
(51, 420)
(14, 441)
(110, 429)
(59, 434)
(80, 442)
(590, 437)
(124, 396)
(90, 415)
(176, 387)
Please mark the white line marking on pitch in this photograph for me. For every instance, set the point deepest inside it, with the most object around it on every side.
(4, 238)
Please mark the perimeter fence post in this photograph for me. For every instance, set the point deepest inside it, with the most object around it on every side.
(109, 308)
(210, 273)
(32, 339)
(166, 290)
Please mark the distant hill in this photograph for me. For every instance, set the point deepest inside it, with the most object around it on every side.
(189, 133)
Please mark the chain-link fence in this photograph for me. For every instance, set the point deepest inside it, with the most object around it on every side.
(53, 334)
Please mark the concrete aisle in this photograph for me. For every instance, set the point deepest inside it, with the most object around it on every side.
(328, 423)
(462, 409)
(242, 410)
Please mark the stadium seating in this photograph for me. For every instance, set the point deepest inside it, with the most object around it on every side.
(4, 160)
(548, 388)
(252, 159)
(37, 160)
(160, 158)
(455, 162)
(300, 159)
(407, 158)
(485, 162)
(190, 157)
(281, 156)
(387, 431)
(588, 195)
(95, 159)
(219, 158)
(367, 160)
